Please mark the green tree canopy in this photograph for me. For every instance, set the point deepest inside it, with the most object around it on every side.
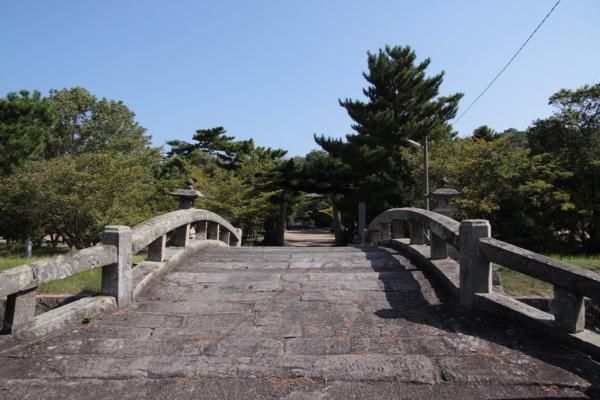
(26, 120)
(86, 124)
(228, 152)
(484, 132)
(571, 138)
(240, 180)
(519, 193)
(76, 196)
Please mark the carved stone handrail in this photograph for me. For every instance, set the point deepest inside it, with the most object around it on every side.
(468, 274)
(114, 256)
(444, 227)
(148, 231)
(568, 277)
(29, 276)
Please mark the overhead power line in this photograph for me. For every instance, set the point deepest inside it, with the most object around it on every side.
(509, 61)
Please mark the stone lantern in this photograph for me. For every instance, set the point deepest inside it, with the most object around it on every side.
(444, 196)
(187, 196)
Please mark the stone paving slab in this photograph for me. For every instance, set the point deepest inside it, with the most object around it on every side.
(298, 324)
(192, 307)
(270, 388)
(156, 346)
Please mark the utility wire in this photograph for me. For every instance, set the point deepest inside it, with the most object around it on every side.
(509, 61)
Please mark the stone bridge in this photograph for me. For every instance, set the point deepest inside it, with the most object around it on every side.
(409, 314)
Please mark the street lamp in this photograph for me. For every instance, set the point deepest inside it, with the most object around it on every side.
(425, 167)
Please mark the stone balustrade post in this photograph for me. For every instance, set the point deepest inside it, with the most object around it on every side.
(475, 269)
(439, 247)
(157, 249)
(201, 230)
(569, 310)
(374, 238)
(213, 231)
(117, 277)
(233, 241)
(384, 231)
(224, 236)
(20, 310)
(397, 229)
(417, 233)
(181, 236)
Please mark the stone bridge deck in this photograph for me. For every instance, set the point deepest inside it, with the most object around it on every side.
(294, 323)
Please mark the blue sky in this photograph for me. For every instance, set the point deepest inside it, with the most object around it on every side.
(274, 70)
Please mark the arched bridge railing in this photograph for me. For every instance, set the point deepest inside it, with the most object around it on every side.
(167, 234)
(459, 254)
(207, 226)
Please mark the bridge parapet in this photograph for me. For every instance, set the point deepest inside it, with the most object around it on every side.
(176, 231)
(459, 254)
(206, 225)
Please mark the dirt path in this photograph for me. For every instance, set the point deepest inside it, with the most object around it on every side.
(309, 238)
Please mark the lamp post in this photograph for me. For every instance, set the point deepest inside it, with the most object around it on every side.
(425, 147)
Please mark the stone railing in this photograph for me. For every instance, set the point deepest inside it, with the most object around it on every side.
(166, 237)
(460, 256)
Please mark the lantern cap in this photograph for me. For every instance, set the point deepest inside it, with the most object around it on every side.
(445, 190)
(188, 195)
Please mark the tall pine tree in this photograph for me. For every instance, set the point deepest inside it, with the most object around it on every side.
(402, 104)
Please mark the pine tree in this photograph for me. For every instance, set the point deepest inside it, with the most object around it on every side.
(402, 104)
(26, 122)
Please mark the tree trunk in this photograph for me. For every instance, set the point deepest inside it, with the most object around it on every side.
(337, 222)
(593, 243)
(281, 223)
(54, 239)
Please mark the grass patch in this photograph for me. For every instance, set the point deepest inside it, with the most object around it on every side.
(88, 281)
(10, 258)
(516, 284)
(519, 285)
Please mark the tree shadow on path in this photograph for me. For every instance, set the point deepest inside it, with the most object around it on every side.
(474, 341)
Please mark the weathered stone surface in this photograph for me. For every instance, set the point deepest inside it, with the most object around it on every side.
(143, 274)
(273, 388)
(69, 314)
(20, 310)
(144, 320)
(148, 231)
(200, 266)
(241, 330)
(16, 279)
(359, 276)
(569, 310)
(512, 369)
(446, 271)
(376, 367)
(157, 249)
(342, 328)
(59, 267)
(101, 330)
(117, 280)
(569, 277)
(191, 307)
(209, 277)
(475, 268)
(444, 227)
(155, 346)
